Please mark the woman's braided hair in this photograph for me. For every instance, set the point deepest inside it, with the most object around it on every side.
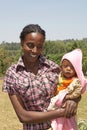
(29, 29)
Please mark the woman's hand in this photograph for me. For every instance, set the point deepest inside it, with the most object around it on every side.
(70, 108)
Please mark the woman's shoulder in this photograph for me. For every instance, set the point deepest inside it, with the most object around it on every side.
(11, 68)
(51, 64)
(48, 61)
(14, 67)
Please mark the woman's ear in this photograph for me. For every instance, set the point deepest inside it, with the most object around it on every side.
(22, 42)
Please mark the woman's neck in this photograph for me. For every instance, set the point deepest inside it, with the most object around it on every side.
(31, 66)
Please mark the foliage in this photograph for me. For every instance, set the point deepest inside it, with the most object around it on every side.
(53, 50)
(82, 125)
(8, 56)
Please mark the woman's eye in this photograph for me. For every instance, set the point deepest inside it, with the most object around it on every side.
(40, 47)
(30, 45)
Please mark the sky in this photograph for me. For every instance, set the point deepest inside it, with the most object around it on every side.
(61, 19)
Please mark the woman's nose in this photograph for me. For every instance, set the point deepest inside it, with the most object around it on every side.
(34, 49)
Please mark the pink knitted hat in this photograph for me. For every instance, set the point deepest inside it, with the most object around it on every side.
(75, 57)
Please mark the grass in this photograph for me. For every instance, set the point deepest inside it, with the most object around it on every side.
(9, 120)
(82, 108)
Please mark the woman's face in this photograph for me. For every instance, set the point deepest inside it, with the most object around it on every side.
(68, 70)
(33, 46)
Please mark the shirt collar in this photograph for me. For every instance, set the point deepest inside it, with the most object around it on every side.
(43, 61)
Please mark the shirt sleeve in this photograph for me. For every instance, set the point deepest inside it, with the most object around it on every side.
(9, 82)
(74, 89)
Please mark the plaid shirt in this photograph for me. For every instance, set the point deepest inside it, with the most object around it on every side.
(34, 90)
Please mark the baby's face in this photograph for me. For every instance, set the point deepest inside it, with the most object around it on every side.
(68, 70)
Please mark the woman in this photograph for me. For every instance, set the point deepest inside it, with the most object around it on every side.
(32, 81)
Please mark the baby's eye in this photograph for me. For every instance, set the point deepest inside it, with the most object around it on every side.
(72, 67)
(64, 66)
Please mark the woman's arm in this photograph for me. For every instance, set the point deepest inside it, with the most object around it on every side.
(32, 116)
(71, 106)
